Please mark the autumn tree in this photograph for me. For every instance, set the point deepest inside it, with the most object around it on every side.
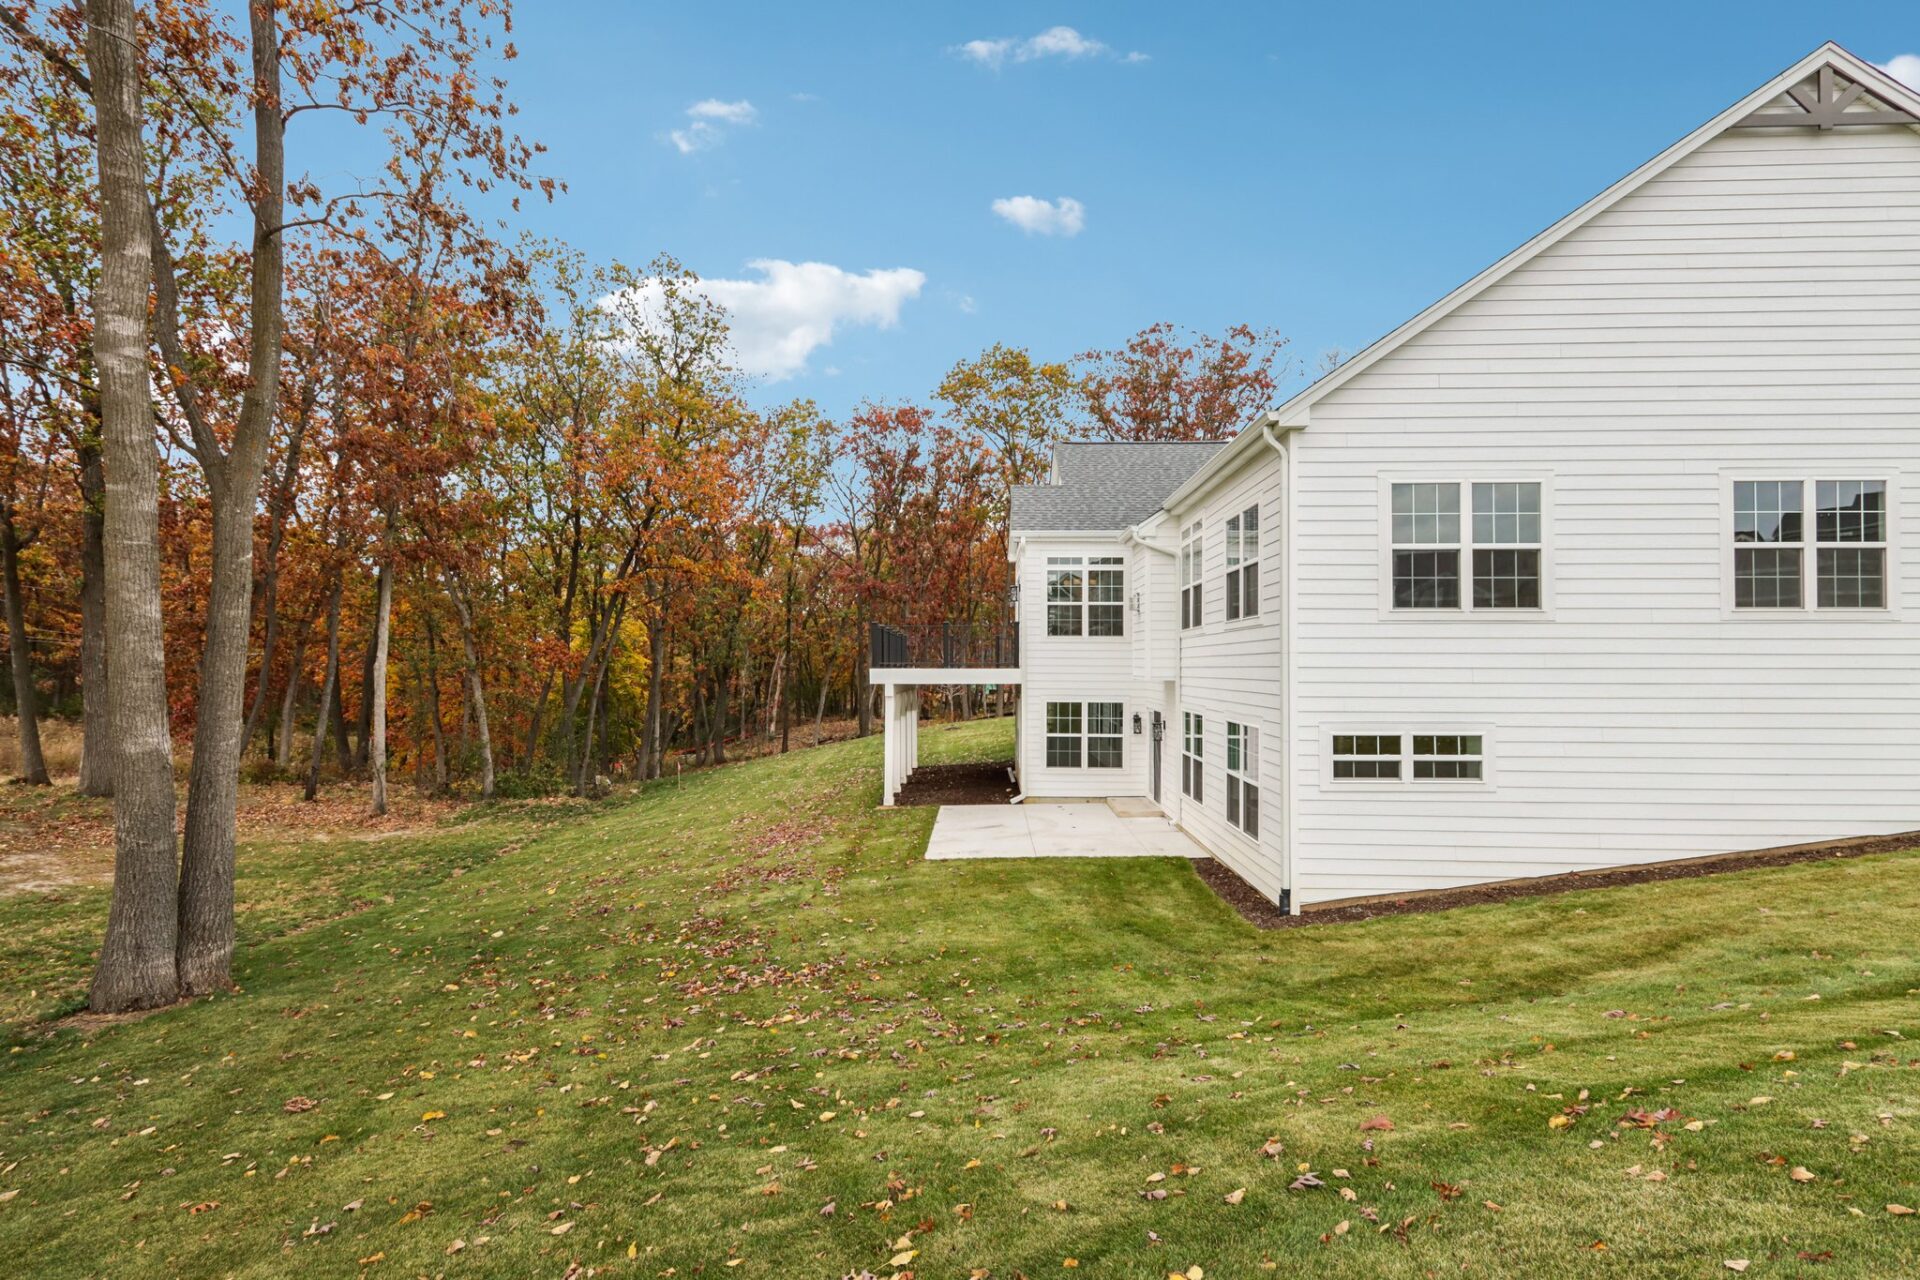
(1167, 383)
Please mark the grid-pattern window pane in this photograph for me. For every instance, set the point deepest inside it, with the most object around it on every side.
(1853, 578)
(1243, 564)
(1063, 735)
(1447, 756)
(1850, 523)
(1506, 521)
(1362, 756)
(1850, 510)
(1190, 572)
(1767, 511)
(1192, 748)
(1426, 579)
(1106, 596)
(1766, 577)
(1066, 596)
(1106, 728)
(1506, 513)
(1426, 514)
(1506, 579)
(1243, 773)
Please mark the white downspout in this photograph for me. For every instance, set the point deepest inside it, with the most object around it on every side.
(1287, 769)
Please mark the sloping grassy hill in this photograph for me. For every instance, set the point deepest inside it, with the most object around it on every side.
(738, 1027)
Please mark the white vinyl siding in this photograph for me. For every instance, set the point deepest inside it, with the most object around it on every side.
(1079, 669)
(1233, 670)
(1752, 313)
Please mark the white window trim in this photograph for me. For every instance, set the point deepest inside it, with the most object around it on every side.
(1085, 736)
(1087, 564)
(1489, 755)
(1246, 777)
(1809, 548)
(1247, 564)
(1199, 794)
(1193, 572)
(1465, 480)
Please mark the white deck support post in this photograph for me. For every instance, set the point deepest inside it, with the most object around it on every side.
(889, 744)
(913, 733)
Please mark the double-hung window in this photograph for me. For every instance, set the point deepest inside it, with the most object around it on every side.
(1086, 596)
(1243, 775)
(1243, 564)
(1416, 758)
(1106, 596)
(1500, 546)
(1086, 735)
(1191, 545)
(1848, 541)
(1192, 751)
(1066, 596)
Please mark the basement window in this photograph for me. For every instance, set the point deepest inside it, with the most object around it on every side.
(1447, 755)
(1366, 756)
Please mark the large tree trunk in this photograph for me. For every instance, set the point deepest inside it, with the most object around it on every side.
(96, 725)
(136, 968)
(26, 700)
(363, 726)
(476, 690)
(206, 864)
(377, 694)
(327, 683)
(433, 709)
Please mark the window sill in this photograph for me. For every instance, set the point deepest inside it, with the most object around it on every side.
(1467, 615)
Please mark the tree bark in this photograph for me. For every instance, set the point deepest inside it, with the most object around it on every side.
(136, 968)
(96, 724)
(433, 709)
(327, 683)
(26, 699)
(206, 865)
(290, 700)
(278, 511)
(476, 690)
(652, 751)
(377, 693)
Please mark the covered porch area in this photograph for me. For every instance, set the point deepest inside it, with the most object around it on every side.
(903, 660)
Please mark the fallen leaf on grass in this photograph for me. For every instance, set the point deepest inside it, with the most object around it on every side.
(432, 1115)
(295, 1105)
(1802, 1174)
(1899, 1210)
(1736, 1264)
(562, 1228)
(1236, 1195)
(1378, 1123)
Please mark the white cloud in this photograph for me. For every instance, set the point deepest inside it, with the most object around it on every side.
(1054, 42)
(709, 120)
(1905, 68)
(778, 320)
(1063, 217)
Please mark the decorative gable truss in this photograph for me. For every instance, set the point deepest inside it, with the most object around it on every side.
(1827, 99)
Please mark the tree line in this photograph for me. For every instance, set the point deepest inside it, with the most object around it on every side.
(363, 480)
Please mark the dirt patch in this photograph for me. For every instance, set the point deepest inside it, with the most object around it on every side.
(958, 784)
(1257, 910)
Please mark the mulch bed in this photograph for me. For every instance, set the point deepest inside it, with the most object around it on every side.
(1254, 907)
(958, 784)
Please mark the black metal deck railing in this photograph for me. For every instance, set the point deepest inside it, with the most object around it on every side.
(944, 644)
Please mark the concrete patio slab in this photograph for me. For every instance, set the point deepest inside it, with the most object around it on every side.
(1053, 831)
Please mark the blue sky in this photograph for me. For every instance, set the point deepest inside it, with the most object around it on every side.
(1324, 169)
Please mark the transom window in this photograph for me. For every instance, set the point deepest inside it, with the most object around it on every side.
(1409, 757)
(1243, 564)
(1192, 748)
(1502, 544)
(1086, 596)
(1191, 545)
(1849, 544)
(1243, 775)
(1086, 735)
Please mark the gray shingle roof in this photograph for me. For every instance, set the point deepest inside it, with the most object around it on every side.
(1107, 485)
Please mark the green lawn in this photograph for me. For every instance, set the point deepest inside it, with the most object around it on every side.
(738, 1027)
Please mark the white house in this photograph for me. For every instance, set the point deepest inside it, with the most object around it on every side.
(1599, 560)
